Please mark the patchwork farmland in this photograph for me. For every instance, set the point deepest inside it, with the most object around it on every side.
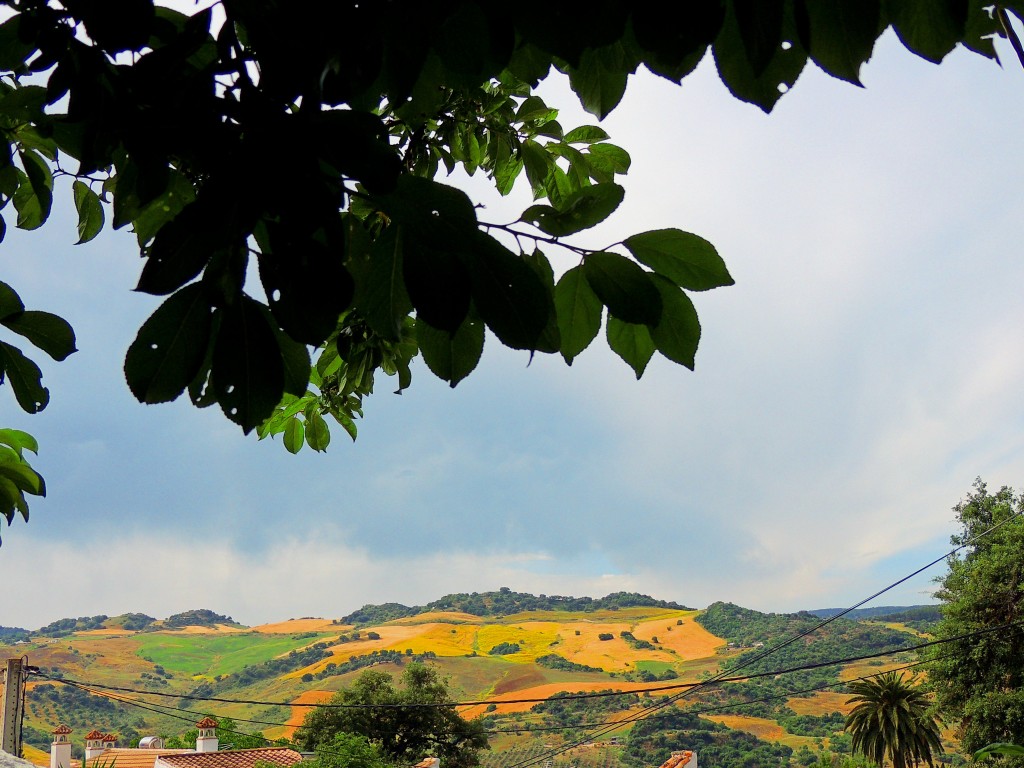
(636, 660)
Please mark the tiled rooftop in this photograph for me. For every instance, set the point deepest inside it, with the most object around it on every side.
(132, 758)
(207, 722)
(62, 729)
(678, 760)
(235, 758)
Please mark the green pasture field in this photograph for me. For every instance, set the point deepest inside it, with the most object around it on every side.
(654, 667)
(212, 655)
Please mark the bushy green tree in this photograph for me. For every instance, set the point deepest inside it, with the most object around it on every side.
(979, 680)
(403, 732)
(891, 720)
(348, 750)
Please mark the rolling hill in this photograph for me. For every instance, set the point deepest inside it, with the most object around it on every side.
(126, 674)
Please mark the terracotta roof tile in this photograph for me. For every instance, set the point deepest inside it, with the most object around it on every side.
(62, 730)
(207, 722)
(94, 734)
(132, 758)
(234, 758)
(109, 737)
(678, 759)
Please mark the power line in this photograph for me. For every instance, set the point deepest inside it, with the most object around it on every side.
(173, 712)
(720, 678)
(774, 649)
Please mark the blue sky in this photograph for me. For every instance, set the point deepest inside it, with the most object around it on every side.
(865, 368)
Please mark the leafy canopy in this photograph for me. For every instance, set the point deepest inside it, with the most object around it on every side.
(891, 720)
(307, 143)
(979, 681)
(401, 734)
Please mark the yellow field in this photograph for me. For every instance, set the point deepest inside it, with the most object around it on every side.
(436, 616)
(105, 632)
(869, 667)
(301, 625)
(690, 640)
(35, 756)
(613, 655)
(821, 703)
(215, 629)
(547, 690)
(298, 714)
(768, 730)
(534, 638)
(442, 639)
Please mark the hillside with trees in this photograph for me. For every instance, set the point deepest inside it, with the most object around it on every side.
(579, 663)
(505, 602)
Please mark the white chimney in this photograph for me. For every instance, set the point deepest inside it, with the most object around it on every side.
(207, 741)
(60, 749)
(93, 744)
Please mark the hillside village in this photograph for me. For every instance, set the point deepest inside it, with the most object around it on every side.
(522, 661)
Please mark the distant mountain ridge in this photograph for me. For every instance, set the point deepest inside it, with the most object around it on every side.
(505, 602)
(869, 613)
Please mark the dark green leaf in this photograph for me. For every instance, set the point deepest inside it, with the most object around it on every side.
(90, 212)
(295, 358)
(27, 204)
(451, 357)
(164, 208)
(929, 28)
(678, 333)
(608, 157)
(318, 434)
(183, 247)
(579, 312)
(842, 35)
(170, 348)
(24, 104)
(41, 179)
(510, 297)
(538, 164)
(48, 332)
(600, 78)
(586, 134)
(534, 109)
(13, 50)
(25, 379)
(688, 260)
(622, 286)
(631, 342)
(759, 23)
(580, 210)
(248, 373)
(763, 87)
(10, 302)
(382, 298)
(294, 435)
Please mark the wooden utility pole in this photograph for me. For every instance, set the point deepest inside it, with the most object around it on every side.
(13, 703)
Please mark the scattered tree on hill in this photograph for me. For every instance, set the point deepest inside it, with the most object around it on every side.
(504, 649)
(201, 617)
(979, 679)
(892, 720)
(404, 735)
(170, 121)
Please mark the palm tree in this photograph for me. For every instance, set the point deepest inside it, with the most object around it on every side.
(892, 720)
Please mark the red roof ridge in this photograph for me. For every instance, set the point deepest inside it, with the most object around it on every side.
(94, 734)
(62, 730)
